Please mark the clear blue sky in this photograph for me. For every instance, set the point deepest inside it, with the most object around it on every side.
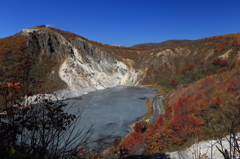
(124, 22)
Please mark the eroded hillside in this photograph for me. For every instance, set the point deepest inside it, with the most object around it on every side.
(62, 60)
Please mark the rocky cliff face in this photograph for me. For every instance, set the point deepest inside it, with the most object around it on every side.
(91, 69)
(76, 65)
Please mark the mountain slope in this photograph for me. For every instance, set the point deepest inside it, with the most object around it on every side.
(164, 43)
(65, 62)
(80, 64)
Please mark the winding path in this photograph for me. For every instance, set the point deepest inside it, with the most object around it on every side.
(157, 109)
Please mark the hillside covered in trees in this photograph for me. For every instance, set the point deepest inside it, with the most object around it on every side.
(203, 109)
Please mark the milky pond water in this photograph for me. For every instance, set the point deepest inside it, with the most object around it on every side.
(110, 111)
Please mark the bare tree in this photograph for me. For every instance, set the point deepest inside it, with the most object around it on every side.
(38, 127)
(230, 119)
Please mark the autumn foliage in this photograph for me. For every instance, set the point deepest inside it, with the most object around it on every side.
(218, 101)
(176, 126)
(224, 63)
(139, 127)
(190, 67)
(217, 61)
(173, 82)
(115, 143)
(183, 127)
(224, 69)
(192, 110)
(233, 85)
(182, 70)
(134, 142)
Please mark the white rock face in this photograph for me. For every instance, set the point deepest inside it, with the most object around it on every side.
(209, 149)
(27, 31)
(82, 77)
(39, 98)
(202, 150)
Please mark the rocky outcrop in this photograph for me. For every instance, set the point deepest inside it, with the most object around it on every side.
(86, 73)
(82, 66)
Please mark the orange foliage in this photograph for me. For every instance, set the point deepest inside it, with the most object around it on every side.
(184, 122)
(207, 82)
(184, 126)
(134, 142)
(155, 139)
(184, 105)
(14, 57)
(188, 111)
(175, 126)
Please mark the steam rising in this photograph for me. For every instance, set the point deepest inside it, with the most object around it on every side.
(50, 25)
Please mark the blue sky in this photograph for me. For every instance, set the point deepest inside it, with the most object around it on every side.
(124, 22)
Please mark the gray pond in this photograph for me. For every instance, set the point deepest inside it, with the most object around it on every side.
(110, 111)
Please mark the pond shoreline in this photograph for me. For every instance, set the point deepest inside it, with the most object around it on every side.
(113, 111)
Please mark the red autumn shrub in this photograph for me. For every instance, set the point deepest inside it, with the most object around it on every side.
(190, 67)
(138, 127)
(207, 83)
(184, 105)
(233, 65)
(116, 143)
(234, 84)
(81, 152)
(160, 121)
(184, 126)
(218, 101)
(134, 142)
(217, 61)
(224, 63)
(168, 114)
(182, 70)
(224, 69)
(173, 82)
(231, 88)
